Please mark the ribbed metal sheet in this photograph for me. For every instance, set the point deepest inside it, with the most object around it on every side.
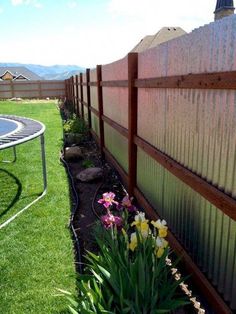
(197, 128)
(117, 145)
(85, 88)
(208, 235)
(93, 89)
(94, 97)
(85, 113)
(115, 99)
(115, 104)
(95, 123)
(117, 70)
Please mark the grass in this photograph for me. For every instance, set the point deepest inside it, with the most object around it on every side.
(36, 251)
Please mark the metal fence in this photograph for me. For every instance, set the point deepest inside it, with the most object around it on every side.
(166, 118)
(32, 89)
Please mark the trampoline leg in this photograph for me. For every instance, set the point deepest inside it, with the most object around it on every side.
(43, 164)
(14, 154)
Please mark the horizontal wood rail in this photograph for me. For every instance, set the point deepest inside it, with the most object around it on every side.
(216, 80)
(84, 103)
(198, 277)
(45, 82)
(94, 111)
(93, 84)
(117, 83)
(123, 131)
(221, 200)
(218, 198)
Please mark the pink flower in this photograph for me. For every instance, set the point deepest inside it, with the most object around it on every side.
(107, 199)
(110, 220)
(127, 203)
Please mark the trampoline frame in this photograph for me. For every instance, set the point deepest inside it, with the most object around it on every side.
(27, 130)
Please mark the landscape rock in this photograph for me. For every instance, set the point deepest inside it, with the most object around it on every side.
(90, 174)
(73, 138)
(73, 152)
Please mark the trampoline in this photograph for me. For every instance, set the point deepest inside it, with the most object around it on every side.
(14, 131)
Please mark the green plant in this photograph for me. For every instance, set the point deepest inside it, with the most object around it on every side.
(130, 273)
(87, 163)
(75, 125)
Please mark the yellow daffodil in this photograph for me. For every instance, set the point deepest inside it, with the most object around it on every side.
(138, 219)
(162, 232)
(133, 241)
(143, 228)
(159, 252)
(161, 244)
(159, 224)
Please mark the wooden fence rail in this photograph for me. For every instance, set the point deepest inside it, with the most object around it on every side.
(223, 201)
(32, 89)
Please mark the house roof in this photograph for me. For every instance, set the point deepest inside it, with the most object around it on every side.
(163, 35)
(224, 4)
(16, 71)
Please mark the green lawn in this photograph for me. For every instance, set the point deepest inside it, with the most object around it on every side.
(36, 250)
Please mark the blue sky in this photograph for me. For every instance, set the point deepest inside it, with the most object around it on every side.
(89, 32)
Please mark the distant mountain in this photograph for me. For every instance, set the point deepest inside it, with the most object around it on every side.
(54, 72)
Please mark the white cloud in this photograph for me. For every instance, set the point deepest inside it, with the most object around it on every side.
(34, 3)
(72, 4)
(157, 13)
(17, 2)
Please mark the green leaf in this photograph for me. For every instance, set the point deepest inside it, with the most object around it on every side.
(72, 310)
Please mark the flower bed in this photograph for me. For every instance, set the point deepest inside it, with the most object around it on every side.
(131, 272)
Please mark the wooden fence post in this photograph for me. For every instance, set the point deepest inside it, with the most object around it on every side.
(88, 97)
(12, 89)
(132, 121)
(73, 94)
(100, 110)
(40, 90)
(69, 90)
(77, 95)
(81, 94)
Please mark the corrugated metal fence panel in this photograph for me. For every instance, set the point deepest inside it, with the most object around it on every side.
(208, 235)
(95, 124)
(93, 89)
(198, 129)
(117, 145)
(86, 113)
(85, 88)
(115, 99)
(74, 87)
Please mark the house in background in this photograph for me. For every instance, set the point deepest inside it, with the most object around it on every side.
(163, 35)
(224, 8)
(17, 74)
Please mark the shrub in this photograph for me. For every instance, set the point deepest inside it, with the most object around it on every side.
(75, 125)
